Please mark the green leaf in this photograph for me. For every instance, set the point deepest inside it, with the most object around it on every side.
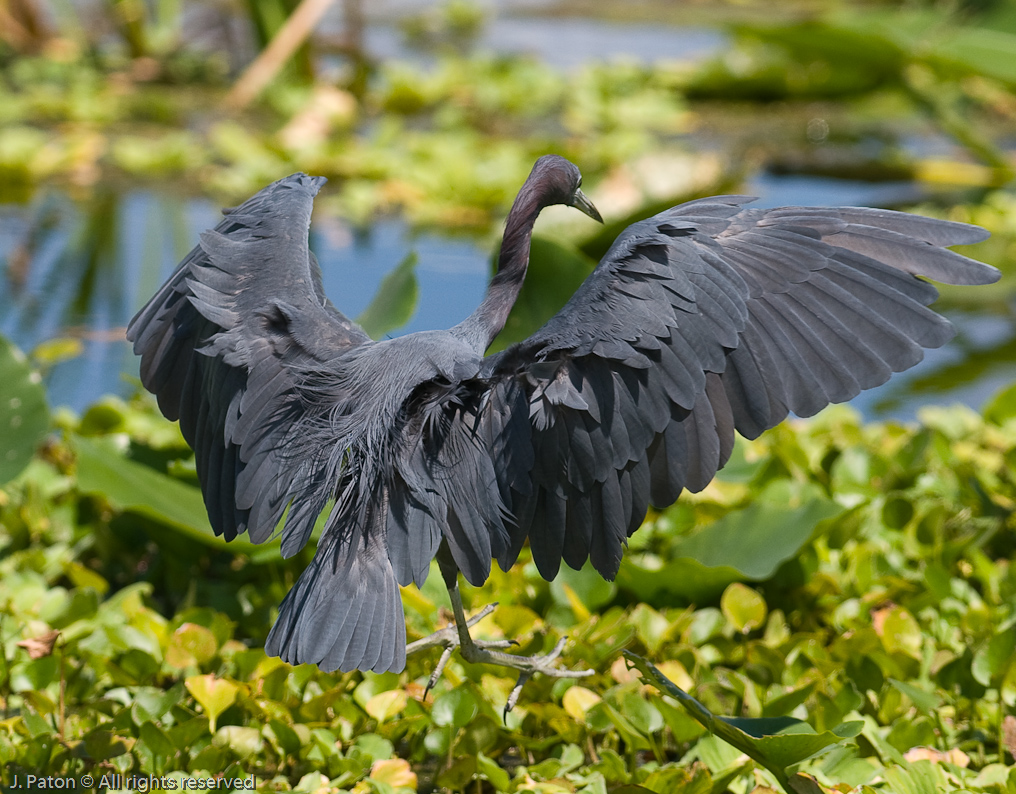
(385, 705)
(1002, 406)
(243, 741)
(642, 714)
(215, 695)
(680, 780)
(454, 708)
(133, 487)
(374, 746)
(24, 415)
(53, 351)
(901, 633)
(191, 645)
(158, 746)
(577, 700)
(991, 661)
(743, 607)
(776, 743)
(985, 52)
(755, 541)
(682, 577)
(587, 584)
(395, 301)
(784, 704)
(919, 777)
(287, 739)
(925, 701)
(489, 769)
(102, 744)
(745, 545)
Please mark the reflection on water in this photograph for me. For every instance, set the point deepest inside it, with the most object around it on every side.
(569, 42)
(84, 271)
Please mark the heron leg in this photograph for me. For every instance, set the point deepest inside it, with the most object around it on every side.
(485, 652)
(449, 638)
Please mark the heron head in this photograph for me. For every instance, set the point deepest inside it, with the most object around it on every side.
(562, 183)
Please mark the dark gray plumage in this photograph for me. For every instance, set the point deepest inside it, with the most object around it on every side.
(705, 319)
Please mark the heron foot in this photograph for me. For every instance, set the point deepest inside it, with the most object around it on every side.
(482, 652)
(448, 638)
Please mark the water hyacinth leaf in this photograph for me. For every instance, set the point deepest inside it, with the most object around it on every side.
(395, 301)
(243, 741)
(604, 717)
(454, 708)
(214, 695)
(189, 645)
(24, 415)
(776, 743)
(284, 736)
(650, 626)
(641, 713)
(743, 607)
(994, 659)
(680, 780)
(102, 743)
(372, 684)
(919, 777)
(489, 769)
(458, 774)
(157, 743)
(577, 700)
(394, 772)
(373, 746)
(133, 487)
(899, 631)
(592, 590)
(385, 705)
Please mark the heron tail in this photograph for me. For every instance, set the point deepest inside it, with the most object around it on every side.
(345, 611)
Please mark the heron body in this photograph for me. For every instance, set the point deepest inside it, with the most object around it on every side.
(705, 319)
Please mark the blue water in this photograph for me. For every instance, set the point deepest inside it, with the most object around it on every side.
(569, 42)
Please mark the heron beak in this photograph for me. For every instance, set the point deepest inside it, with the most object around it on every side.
(582, 203)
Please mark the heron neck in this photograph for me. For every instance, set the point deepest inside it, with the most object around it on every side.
(484, 324)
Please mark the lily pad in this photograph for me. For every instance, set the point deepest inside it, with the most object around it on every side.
(24, 415)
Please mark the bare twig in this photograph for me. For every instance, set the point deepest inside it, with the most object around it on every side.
(279, 50)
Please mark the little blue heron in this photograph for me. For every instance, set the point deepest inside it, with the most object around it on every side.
(705, 319)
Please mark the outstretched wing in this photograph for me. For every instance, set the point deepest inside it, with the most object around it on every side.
(702, 320)
(221, 343)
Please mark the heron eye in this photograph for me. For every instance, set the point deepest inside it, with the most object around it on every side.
(579, 183)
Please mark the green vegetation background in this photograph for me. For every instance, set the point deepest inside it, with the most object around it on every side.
(844, 589)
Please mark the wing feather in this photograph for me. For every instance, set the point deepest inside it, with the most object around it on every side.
(706, 319)
(223, 350)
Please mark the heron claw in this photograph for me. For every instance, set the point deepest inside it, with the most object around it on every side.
(487, 652)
